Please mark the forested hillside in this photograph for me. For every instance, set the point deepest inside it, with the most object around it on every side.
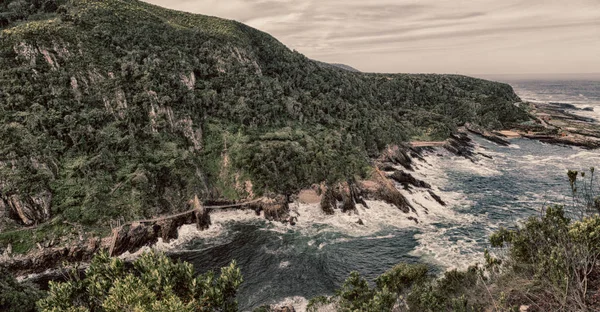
(120, 109)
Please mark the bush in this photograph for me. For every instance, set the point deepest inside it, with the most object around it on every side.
(153, 283)
(15, 296)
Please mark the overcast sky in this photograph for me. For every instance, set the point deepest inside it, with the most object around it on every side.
(441, 36)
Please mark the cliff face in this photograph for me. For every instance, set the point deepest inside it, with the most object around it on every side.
(120, 109)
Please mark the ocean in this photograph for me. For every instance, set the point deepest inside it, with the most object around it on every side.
(284, 263)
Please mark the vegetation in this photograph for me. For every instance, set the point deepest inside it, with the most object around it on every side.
(15, 296)
(121, 109)
(549, 263)
(152, 283)
(13, 11)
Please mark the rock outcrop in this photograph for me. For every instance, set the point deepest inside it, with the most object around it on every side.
(26, 209)
(379, 187)
(399, 155)
(461, 145)
(131, 237)
(436, 197)
(275, 209)
(344, 196)
(572, 140)
(284, 308)
(486, 134)
(39, 261)
(406, 179)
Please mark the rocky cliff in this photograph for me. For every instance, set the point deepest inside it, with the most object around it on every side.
(121, 110)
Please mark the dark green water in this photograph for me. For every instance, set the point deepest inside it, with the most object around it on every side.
(314, 257)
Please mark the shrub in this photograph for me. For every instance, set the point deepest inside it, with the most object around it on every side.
(153, 283)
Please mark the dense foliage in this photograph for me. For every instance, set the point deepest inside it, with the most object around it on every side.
(15, 296)
(13, 11)
(152, 283)
(121, 109)
(407, 287)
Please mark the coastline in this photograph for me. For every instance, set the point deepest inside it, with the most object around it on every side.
(391, 181)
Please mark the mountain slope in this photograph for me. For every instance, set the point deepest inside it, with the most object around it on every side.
(118, 109)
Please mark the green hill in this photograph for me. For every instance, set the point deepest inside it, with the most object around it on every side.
(117, 109)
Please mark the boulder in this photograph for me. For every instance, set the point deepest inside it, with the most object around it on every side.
(283, 308)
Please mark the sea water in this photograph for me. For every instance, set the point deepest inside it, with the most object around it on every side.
(284, 263)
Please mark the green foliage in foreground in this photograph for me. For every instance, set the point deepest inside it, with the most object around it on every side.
(406, 287)
(548, 263)
(152, 283)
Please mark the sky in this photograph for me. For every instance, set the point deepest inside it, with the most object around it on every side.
(477, 37)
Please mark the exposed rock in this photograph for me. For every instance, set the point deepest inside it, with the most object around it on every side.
(328, 202)
(283, 308)
(580, 141)
(460, 144)
(360, 222)
(397, 155)
(131, 237)
(27, 209)
(437, 198)
(357, 195)
(275, 209)
(407, 179)
(344, 195)
(413, 219)
(387, 167)
(486, 134)
(380, 188)
(485, 155)
(41, 260)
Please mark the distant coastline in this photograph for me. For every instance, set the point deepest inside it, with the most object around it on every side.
(539, 76)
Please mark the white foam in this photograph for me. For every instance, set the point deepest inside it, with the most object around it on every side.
(299, 303)
(284, 264)
(189, 232)
(380, 216)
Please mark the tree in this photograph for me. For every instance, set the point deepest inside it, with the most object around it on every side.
(152, 283)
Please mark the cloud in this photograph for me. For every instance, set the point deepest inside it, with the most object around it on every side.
(471, 37)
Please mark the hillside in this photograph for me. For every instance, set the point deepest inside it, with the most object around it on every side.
(118, 109)
(337, 65)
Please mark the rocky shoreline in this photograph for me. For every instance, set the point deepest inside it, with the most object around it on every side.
(382, 184)
(391, 173)
(558, 123)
